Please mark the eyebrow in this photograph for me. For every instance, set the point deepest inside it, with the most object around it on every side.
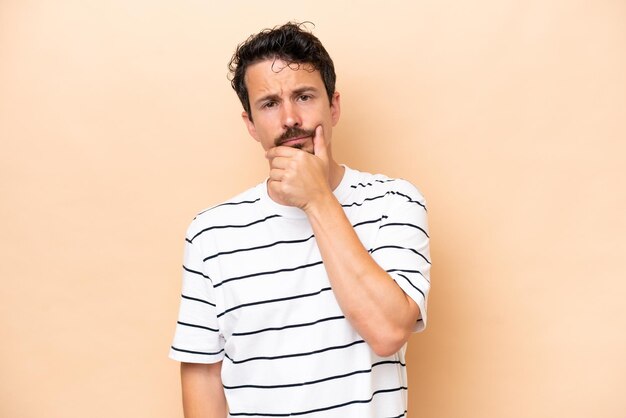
(304, 89)
(276, 97)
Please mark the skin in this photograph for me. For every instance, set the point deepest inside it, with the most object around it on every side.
(303, 173)
(283, 98)
(203, 393)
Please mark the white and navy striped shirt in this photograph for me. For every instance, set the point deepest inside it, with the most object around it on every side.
(256, 296)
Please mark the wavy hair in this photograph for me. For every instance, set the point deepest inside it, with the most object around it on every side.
(291, 43)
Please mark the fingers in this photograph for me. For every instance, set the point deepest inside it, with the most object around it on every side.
(319, 144)
(276, 174)
(279, 162)
(280, 151)
(278, 168)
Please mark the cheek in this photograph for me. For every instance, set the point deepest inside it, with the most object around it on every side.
(267, 138)
(267, 126)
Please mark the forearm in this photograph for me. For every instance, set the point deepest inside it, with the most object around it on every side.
(203, 393)
(374, 304)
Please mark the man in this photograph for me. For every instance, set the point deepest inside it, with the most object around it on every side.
(300, 294)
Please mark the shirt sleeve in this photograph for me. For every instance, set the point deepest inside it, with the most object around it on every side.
(197, 338)
(402, 246)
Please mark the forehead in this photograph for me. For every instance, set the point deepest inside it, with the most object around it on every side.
(274, 75)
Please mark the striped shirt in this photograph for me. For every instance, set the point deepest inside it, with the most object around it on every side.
(256, 296)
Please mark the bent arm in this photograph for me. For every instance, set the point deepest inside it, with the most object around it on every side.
(376, 306)
(203, 393)
(371, 300)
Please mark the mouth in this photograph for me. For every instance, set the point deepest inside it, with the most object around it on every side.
(297, 142)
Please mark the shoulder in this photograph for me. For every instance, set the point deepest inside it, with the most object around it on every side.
(371, 185)
(237, 208)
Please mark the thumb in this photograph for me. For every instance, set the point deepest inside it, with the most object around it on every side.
(319, 144)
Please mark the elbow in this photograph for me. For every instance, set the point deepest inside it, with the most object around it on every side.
(389, 343)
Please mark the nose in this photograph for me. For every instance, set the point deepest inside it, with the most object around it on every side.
(290, 115)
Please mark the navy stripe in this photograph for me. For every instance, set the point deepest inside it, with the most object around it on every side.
(263, 273)
(320, 409)
(354, 186)
(408, 271)
(383, 195)
(405, 224)
(233, 226)
(409, 198)
(308, 353)
(296, 241)
(370, 222)
(229, 204)
(397, 247)
(196, 272)
(332, 318)
(312, 382)
(416, 288)
(368, 199)
(197, 300)
(198, 352)
(196, 326)
(262, 302)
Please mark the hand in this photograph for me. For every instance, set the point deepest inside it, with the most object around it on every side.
(298, 178)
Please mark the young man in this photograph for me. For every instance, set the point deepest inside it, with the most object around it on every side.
(300, 294)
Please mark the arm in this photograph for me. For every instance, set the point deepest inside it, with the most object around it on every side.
(203, 393)
(374, 304)
(371, 300)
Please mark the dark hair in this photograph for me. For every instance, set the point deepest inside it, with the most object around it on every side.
(291, 43)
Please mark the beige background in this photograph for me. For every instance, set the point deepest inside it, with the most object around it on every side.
(117, 125)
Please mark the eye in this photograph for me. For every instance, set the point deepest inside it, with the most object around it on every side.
(269, 104)
(305, 97)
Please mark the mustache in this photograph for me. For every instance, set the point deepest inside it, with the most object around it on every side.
(293, 132)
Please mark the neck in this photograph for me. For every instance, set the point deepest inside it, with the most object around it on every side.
(335, 174)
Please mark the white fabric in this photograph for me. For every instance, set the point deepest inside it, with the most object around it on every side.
(256, 296)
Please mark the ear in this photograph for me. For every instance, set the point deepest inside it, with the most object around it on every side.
(249, 125)
(335, 108)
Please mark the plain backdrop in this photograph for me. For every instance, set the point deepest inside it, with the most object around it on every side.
(117, 125)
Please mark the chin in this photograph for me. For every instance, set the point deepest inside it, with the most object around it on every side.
(303, 148)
